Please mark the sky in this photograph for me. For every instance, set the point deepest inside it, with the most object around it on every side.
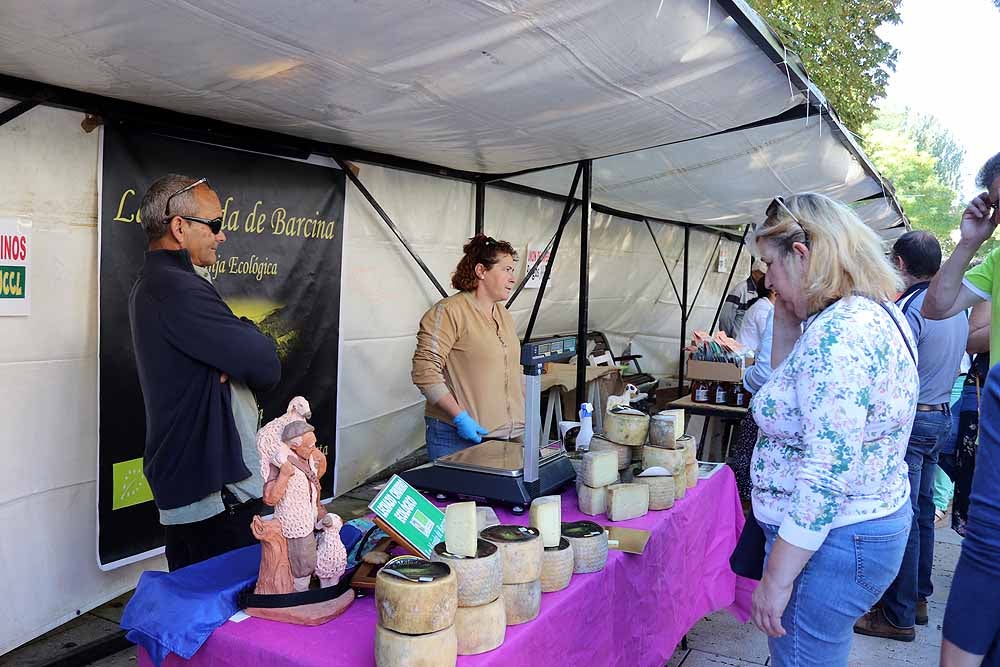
(949, 66)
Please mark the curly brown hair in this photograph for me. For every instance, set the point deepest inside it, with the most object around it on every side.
(480, 249)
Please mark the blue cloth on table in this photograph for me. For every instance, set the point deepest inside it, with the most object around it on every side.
(176, 612)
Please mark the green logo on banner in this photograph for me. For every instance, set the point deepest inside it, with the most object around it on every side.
(12, 285)
(130, 485)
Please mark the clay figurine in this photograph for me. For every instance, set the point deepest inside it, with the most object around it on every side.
(303, 538)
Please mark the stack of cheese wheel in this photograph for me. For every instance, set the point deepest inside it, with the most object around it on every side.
(627, 426)
(673, 461)
(624, 452)
(660, 481)
(690, 461)
(521, 550)
(480, 621)
(557, 558)
(590, 546)
(598, 470)
(416, 614)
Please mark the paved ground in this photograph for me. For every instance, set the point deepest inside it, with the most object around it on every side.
(717, 641)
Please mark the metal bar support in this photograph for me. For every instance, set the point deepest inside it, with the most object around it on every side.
(729, 281)
(480, 207)
(581, 331)
(703, 276)
(389, 223)
(552, 257)
(18, 109)
(664, 260)
(684, 317)
(541, 257)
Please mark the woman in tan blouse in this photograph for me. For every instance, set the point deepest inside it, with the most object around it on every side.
(467, 361)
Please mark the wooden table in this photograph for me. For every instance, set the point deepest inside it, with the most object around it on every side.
(561, 380)
(729, 415)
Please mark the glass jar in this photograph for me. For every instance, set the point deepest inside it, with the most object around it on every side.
(701, 391)
(739, 397)
(720, 394)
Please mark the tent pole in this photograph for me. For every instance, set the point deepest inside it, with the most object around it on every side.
(388, 221)
(17, 110)
(729, 281)
(703, 276)
(581, 332)
(567, 214)
(548, 247)
(684, 317)
(664, 260)
(480, 207)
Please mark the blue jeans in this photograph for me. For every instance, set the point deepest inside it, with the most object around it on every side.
(968, 401)
(930, 430)
(972, 618)
(443, 439)
(841, 582)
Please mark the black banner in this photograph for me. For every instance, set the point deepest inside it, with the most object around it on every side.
(280, 266)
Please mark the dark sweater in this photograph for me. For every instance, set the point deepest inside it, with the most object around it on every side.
(184, 336)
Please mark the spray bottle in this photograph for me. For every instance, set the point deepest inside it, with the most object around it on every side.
(586, 427)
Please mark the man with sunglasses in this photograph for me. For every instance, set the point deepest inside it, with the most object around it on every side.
(197, 363)
(971, 629)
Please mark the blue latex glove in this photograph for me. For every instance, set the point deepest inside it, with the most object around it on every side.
(467, 427)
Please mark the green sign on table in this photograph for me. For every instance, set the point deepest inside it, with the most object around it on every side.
(410, 514)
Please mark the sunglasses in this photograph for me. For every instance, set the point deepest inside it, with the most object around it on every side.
(772, 211)
(215, 224)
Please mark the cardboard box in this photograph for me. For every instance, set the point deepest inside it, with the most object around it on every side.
(713, 370)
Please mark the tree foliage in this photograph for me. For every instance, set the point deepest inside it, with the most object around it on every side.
(922, 161)
(839, 46)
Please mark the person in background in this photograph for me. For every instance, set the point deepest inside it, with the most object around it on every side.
(830, 485)
(940, 348)
(468, 358)
(756, 335)
(739, 299)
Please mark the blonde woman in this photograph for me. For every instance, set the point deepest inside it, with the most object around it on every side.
(830, 480)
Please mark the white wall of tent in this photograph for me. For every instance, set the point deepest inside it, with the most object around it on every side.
(657, 112)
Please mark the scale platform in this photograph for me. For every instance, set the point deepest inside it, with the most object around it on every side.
(494, 470)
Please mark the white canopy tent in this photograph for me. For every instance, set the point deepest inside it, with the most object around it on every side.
(693, 115)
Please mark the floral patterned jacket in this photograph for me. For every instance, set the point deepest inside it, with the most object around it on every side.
(834, 419)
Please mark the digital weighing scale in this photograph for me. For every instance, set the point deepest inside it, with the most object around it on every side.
(506, 471)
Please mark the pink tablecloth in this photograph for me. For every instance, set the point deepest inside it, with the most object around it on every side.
(633, 613)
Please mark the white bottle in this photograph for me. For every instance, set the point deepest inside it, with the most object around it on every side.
(586, 433)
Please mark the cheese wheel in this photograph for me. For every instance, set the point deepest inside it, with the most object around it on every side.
(664, 458)
(557, 566)
(600, 445)
(480, 579)
(690, 448)
(437, 649)
(590, 500)
(522, 602)
(481, 629)
(680, 481)
(661, 491)
(416, 607)
(692, 475)
(627, 501)
(546, 515)
(590, 546)
(520, 549)
(626, 429)
(460, 529)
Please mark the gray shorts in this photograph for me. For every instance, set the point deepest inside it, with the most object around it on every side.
(302, 555)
